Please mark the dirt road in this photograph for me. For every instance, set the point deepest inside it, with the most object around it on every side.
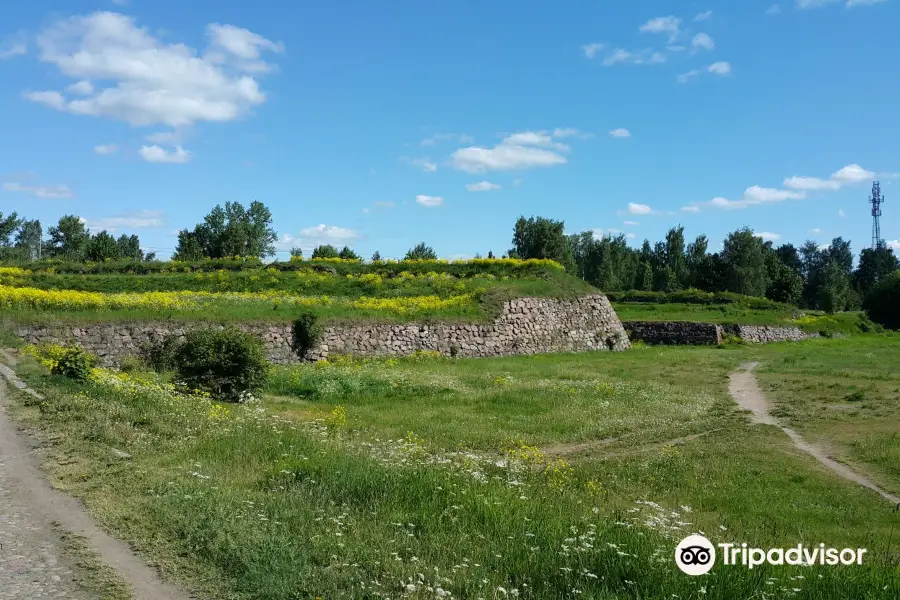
(33, 563)
(743, 388)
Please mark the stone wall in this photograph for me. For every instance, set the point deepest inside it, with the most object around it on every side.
(525, 326)
(764, 334)
(686, 332)
(673, 332)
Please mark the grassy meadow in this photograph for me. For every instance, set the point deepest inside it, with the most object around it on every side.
(557, 476)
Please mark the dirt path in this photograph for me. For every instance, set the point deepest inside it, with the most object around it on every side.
(31, 562)
(745, 391)
(598, 446)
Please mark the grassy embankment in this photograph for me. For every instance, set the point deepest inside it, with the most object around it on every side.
(547, 475)
(340, 290)
(336, 291)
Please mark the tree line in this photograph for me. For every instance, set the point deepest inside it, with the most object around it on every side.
(70, 240)
(809, 276)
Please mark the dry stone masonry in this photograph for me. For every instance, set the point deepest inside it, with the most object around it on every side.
(674, 332)
(525, 326)
(687, 332)
(763, 334)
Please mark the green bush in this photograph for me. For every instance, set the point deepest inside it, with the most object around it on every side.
(75, 364)
(161, 355)
(307, 332)
(692, 296)
(883, 302)
(132, 364)
(226, 363)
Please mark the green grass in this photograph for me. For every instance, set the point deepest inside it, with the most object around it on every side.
(844, 396)
(704, 313)
(304, 505)
(309, 283)
(231, 312)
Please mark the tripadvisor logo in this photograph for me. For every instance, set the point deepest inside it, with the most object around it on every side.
(696, 555)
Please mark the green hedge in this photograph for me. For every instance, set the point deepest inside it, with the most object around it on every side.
(385, 269)
(693, 296)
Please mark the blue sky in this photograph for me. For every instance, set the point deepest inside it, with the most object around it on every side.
(384, 124)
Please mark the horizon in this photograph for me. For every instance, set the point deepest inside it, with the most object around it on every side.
(379, 128)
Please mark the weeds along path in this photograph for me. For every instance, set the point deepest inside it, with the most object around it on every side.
(743, 388)
(32, 564)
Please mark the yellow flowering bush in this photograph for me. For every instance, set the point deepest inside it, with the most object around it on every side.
(15, 297)
(71, 300)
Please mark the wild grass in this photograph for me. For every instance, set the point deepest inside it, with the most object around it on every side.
(436, 478)
(845, 396)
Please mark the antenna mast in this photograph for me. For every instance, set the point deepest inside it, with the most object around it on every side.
(876, 201)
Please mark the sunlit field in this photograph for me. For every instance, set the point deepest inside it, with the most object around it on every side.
(558, 476)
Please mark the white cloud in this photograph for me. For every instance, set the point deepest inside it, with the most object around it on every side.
(482, 186)
(533, 138)
(849, 175)
(895, 244)
(228, 41)
(564, 132)
(805, 4)
(621, 132)
(773, 10)
(165, 137)
(752, 196)
(45, 192)
(852, 174)
(720, 68)
(639, 57)
(631, 223)
(462, 138)
(685, 77)
(142, 219)
(310, 237)
(13, 46)
(841, 213)
(429, 201)
(704, 16)
(630, 236)
(524, 150)
(811, 183)
(669, 25)
(158, 154)
(815, 230)
(759, 195)
(326, 234)
(591, 50)
(703, 41)
(767, 236)
(639, 209)
(153, 82)
(82, 88)
(421, 163)
(106, 149)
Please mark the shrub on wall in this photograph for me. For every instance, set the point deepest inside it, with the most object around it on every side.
(307, 332)
(161, 355)
(225, 363)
